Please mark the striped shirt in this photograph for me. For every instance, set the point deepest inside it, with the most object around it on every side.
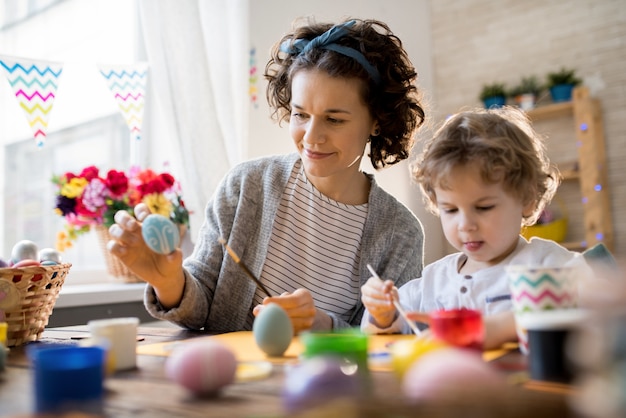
(315, 244)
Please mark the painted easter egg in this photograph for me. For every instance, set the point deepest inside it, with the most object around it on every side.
(448, 372)
(26, 263)
(202, 366)
(24, 250)
(49, 254)
(319, 380)
(272, 330)
(160, 234)
(9, 296)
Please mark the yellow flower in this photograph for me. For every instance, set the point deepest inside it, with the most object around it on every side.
(158, 204)
(74, 187)
(63, 241)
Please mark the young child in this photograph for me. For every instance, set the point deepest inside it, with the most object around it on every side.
(485, 173)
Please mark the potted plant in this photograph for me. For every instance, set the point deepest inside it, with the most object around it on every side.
(493, 95)
(525, 93)
(561, 83)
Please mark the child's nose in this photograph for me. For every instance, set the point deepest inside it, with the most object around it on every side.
(467, 222)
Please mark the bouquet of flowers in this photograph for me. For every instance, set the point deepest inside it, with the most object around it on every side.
(88, 199)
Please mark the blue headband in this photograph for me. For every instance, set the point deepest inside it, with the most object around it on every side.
(327, 41)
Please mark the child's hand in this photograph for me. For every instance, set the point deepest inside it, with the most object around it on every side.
(378, 296)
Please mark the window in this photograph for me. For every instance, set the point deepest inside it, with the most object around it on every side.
(30, 194)
(85, 127)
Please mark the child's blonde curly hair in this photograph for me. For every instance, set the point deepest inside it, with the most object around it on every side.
(502, 144)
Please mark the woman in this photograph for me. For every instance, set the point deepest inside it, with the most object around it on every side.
(308, 223)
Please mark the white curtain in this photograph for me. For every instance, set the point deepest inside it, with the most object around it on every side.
(197, 110)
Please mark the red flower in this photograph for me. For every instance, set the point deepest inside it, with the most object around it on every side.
(152, 183)
(117, 182)
(168, 179)
(89, 173)
(69, 176)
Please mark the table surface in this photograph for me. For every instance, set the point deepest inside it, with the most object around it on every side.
(146, 391)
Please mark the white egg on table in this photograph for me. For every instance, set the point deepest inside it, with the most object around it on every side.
(160, 234)
(272, 330)
(24, 250)
(203, 367)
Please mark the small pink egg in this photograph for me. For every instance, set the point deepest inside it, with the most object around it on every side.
(26, 263)
(203, 366)
(450, 371)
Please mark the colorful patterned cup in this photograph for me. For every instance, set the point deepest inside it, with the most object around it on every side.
(540, 289)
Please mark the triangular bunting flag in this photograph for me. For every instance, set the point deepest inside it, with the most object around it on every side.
(128, 85)
(35, 84)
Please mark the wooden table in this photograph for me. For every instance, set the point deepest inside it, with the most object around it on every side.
(147, 392)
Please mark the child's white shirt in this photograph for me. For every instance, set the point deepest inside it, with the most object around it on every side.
(443, 287)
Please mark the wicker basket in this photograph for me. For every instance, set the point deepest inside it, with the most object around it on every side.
(29, 295)
(115, 267)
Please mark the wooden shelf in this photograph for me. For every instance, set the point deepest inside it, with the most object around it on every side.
(589, 170)
(550, 111)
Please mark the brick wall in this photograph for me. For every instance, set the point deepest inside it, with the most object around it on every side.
(481, 41)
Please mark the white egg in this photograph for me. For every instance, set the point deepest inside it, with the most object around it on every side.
(49, 254)
(24, 250)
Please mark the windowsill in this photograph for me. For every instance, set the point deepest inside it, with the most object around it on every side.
(99, 294)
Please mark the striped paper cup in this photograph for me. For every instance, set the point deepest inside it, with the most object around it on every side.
(539, 289)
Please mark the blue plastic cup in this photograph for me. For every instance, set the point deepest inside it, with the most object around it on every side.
(68, 378)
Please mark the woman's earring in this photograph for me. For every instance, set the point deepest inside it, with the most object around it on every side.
(376, 132)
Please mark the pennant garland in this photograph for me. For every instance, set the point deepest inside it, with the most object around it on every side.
(35, 84)
(128, 85)
(253, 78)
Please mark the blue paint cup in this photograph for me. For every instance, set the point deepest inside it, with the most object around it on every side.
(68, 378)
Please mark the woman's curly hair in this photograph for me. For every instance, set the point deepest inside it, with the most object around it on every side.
(394, 101)
(505, 148)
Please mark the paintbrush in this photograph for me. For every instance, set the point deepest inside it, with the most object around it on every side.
(396, 303)
(245, 268)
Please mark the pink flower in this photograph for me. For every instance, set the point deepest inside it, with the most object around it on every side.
(94, 195)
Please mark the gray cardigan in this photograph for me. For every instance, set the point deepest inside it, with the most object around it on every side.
(218, 296)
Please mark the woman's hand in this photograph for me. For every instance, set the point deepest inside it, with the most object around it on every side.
(163, 272)
(301, 309)
(377, 297)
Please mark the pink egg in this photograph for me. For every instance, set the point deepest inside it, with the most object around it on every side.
(26, 263)
(203, 366)
(450, 371)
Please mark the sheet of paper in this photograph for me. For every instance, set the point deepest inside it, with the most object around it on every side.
(243, 345)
